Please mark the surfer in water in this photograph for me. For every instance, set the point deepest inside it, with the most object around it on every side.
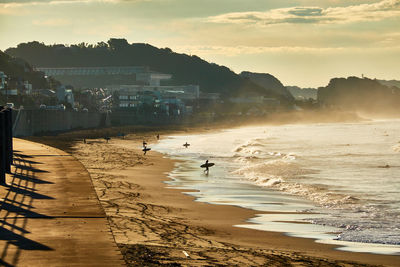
(186, 144)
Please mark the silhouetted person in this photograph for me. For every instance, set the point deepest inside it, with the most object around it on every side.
(107, 138)
(206, 170)
(158, 137)
(186, 144)
(144, 144)
(145, 149)
(84, 140)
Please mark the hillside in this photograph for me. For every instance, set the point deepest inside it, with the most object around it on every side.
(302, 93)
(118, 52)
(390, 83)
(18, 69)
(269, 82)
(360, 94)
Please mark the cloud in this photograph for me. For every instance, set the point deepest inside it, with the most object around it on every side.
(232, 51)
(331, 15)
(52, 22)
(16, 4)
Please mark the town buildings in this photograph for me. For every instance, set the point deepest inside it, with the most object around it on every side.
(136, 88)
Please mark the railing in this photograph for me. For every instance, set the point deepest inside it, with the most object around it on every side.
(6, 143)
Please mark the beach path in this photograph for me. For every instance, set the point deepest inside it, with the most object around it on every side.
(50, 214)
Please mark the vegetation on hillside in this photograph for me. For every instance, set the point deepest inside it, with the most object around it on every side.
(185, 69)
(360, 94)
(267, 80)
(19, 69)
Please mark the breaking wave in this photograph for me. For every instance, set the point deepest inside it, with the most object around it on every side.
(284, 175)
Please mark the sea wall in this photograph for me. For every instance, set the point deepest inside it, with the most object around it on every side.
(28, 122)
(38, 121)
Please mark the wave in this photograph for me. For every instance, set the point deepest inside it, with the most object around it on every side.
(396, 148)
(284, 175)
(251, 143)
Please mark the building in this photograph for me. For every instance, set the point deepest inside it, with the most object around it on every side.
(65, 95)
(170, 100)
(93, 71)
(152, 78)
(95, 77)
(14, 86)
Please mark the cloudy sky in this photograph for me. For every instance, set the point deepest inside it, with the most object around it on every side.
(301, 42)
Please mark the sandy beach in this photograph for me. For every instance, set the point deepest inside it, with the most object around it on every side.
(154, 225)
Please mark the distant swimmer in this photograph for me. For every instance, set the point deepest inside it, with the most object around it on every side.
(145, 149)
(158, 137)
(384, 166)
(107, 138)
(186, 144)
(207, 166)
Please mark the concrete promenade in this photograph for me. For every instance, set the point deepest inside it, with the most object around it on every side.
(50, 214)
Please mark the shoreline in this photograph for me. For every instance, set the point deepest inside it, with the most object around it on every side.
(170, 223)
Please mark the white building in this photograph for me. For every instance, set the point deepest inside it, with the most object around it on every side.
(85, 71)
(128, 93)
(153, 78)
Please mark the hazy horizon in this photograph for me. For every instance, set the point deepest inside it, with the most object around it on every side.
(303, 43)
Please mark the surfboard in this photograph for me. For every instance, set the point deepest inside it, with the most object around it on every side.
(207, 165)
(186, 145)
(146, 149)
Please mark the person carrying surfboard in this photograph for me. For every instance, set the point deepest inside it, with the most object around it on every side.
(145, 149)
(207, 165)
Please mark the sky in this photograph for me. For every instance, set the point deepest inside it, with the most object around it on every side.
(301, 42)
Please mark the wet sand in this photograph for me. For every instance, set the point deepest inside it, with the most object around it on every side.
(154, 225)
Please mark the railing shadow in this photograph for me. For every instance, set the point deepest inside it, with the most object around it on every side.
(21, 241)
(31, 179)
(20, 156)
(25, 161)
(17, 208)
(32, 194)
(28, 168)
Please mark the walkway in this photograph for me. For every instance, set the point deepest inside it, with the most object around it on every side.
(49, 213)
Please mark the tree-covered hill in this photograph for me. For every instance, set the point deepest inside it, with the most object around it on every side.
(268, 81)
(18, 69)
(360, 94)
(185, 69)
(302, 93)
(390, 83)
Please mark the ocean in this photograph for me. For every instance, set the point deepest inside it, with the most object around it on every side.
(338, 183)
